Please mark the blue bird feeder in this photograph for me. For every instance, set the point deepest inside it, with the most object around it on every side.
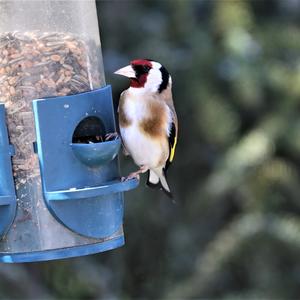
(61, 194)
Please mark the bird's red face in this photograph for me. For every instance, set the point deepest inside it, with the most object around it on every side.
(141, 68)
(137, 72)
(146, 74)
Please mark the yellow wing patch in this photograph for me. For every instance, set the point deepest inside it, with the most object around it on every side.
(173, 149)
(172, 145)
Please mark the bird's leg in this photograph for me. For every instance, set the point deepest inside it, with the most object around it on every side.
(110, 136)
(136, 174)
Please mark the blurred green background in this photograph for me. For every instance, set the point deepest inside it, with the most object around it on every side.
(234, 231)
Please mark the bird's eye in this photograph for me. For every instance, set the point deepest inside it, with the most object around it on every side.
(146, 68)
(140, 69)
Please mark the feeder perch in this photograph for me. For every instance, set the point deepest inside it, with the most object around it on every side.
(60, 190)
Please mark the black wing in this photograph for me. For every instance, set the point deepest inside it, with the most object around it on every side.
(172, 145)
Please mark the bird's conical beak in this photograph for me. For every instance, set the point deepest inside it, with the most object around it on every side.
(126, 71)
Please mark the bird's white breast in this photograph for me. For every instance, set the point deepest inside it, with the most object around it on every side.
(143, 149)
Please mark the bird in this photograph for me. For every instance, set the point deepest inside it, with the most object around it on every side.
(147, 121)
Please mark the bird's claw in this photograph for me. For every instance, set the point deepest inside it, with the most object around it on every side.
(110, 136)
(136, 175)
(130, 176)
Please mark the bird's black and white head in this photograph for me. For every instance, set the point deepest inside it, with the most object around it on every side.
(146, 76)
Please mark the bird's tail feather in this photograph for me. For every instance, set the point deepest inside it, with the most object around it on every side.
(157, 179)
(153, 180)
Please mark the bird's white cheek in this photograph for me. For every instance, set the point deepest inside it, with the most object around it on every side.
(154, 80)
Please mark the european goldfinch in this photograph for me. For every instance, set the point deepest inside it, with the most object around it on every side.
(147, 120)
